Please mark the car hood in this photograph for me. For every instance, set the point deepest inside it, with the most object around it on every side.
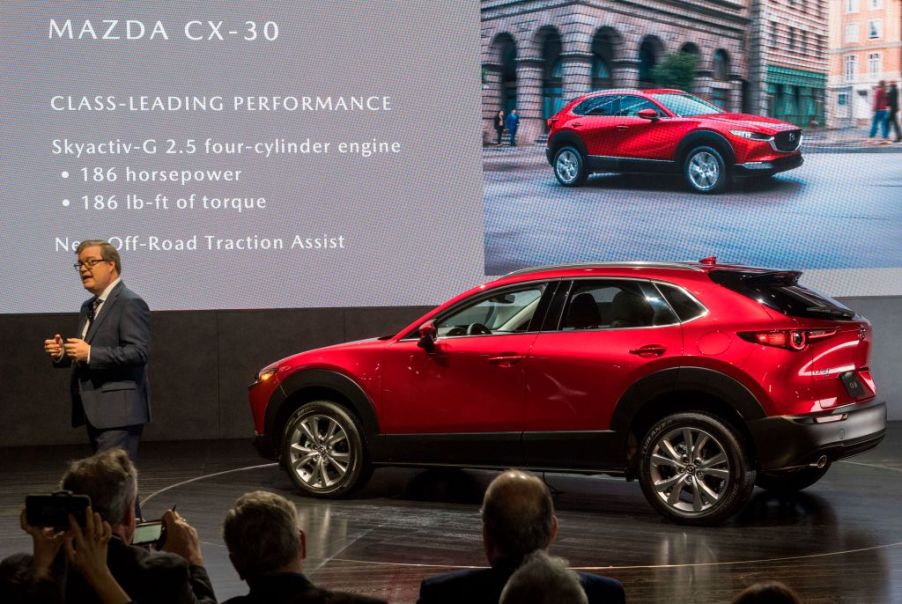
(757, 123)
(323, 354)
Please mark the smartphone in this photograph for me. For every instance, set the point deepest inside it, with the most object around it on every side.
(53, 510)
(150, 533)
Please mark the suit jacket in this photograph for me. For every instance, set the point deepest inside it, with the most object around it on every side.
(295, 588)
(147, 577)
(484, 586)
(112, 389)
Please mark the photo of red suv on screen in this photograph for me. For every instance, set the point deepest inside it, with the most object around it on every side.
(700, 380)
(667, 131)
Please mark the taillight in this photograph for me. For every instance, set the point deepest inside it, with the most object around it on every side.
(790, 339)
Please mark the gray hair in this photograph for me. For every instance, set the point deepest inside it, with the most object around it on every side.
(518, 515)
(261, 533)
(109, 478)
(543, 580)
(107, 251)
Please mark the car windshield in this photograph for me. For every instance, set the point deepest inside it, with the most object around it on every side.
(684, 105)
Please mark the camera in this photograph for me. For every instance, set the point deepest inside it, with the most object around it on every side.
(150, 534)
(53, 510)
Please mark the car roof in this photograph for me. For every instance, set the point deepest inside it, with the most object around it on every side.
(643, 269)
(635, 91)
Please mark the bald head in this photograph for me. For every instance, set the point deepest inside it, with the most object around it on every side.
(517, 517)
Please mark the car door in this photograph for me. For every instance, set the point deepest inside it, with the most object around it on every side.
(461, 401)
(597, 126)
(610, 334)
(643, 139)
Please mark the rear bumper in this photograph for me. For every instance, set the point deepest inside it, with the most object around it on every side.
(768, 167)
(797, 440)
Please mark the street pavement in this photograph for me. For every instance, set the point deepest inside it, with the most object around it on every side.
(838, 210)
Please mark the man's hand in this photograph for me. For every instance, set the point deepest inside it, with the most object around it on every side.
(181, 538)
(87, 551)
(47, 543)
(77, 349)
(54, 347)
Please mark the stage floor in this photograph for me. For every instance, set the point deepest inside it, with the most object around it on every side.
(839, 541)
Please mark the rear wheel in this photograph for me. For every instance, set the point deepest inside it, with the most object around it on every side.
(323, 450)
(693, 469)
(569, 167)
(790, 481)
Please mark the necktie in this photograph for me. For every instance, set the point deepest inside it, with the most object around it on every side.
(92, 312)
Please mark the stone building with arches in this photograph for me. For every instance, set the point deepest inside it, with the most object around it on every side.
(537, 55)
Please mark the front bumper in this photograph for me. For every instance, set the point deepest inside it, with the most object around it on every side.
(768, 167)
(791, 441)
(263, 444)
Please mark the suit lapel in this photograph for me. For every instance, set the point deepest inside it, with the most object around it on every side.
(83, 317)
(105, 309)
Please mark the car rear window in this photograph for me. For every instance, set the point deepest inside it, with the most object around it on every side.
(781, 291)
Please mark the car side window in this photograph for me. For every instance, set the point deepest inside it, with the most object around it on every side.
(599, 106)
(630, 106)
(686, 307)
(509, 311)
(612, 304)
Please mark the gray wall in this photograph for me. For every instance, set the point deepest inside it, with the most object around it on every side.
(202, 362)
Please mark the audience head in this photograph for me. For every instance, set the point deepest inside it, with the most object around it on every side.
(543, 579)
(262, 535)
(517, 517)
(110, 479)
(767, 592)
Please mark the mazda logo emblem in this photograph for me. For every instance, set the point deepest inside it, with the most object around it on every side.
(792, 138)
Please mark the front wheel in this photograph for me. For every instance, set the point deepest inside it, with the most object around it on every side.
(705, 170)
(569, 167)
(693, 469)
(790, 481)
(323, 450)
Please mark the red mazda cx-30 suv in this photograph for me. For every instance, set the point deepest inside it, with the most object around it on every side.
(699, 380)
(667, 131)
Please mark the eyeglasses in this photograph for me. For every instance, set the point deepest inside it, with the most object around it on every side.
(88, 264)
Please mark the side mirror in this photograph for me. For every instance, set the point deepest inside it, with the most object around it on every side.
(648, 114)
(428, 334)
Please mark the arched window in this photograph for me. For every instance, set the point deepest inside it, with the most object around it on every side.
(650, 51)
(604, 51)
(721, 65)
(552, 72)
(507, 57)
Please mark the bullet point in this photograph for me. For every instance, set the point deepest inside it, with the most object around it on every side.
(65, 203)
(64, 174)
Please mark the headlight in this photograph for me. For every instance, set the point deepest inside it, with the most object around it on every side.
(755, 136)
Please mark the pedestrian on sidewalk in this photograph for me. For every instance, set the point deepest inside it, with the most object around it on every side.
(892, 106)
(880, 112)
(499, 126)
(512, 122)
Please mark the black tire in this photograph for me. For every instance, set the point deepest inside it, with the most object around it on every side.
(790, 481)
(710, 491)
(323, 450)
(569, 166)
(704, 170)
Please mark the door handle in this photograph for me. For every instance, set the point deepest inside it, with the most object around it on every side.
(506, 360)
(623, 127)
(577, 124)
(651, 350)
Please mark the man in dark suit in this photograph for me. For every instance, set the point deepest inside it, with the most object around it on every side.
(175, 575)
(517, 519)
(267, 548)
(108, 356)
